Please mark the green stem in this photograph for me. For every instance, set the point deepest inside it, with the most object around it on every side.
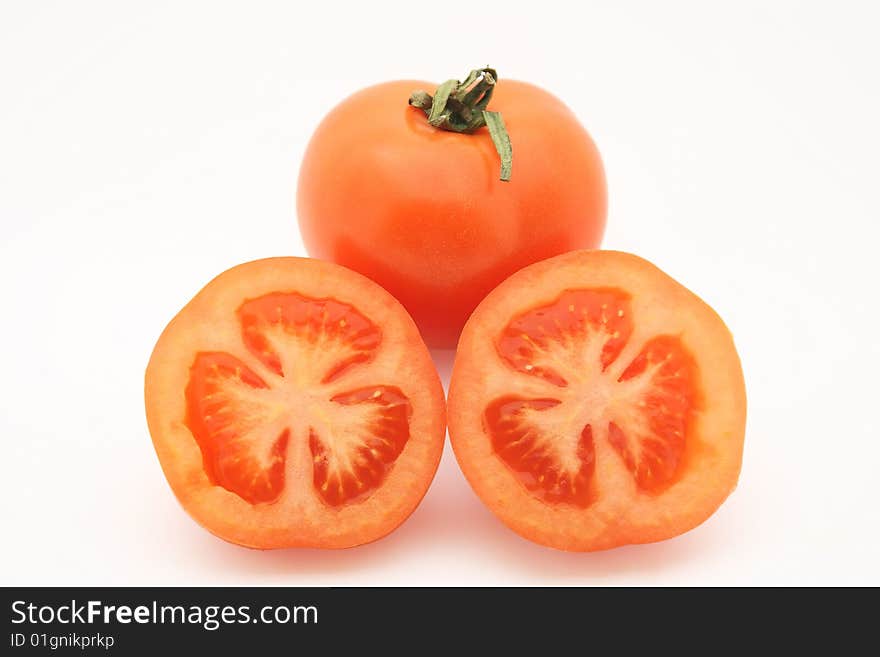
(462, 107)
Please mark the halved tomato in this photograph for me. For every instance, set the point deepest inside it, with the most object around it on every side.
(596, 402)
(293, 403)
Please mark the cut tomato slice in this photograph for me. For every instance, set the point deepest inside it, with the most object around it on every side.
(293, 403)
(596, 402)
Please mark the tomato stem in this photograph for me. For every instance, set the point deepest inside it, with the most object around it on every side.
(461, 107)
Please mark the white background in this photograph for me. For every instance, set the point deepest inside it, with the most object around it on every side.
(145, 148)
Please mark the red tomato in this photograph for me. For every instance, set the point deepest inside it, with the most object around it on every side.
(292, 403)
(596, 402)
(422, 211)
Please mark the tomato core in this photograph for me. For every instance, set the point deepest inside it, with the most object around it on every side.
(244, 421)
(571, 350)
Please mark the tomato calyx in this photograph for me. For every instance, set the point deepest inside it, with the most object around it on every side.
(462, 107)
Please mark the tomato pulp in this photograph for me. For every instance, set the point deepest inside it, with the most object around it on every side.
(596, 402)
(292, 403)
(422, 211)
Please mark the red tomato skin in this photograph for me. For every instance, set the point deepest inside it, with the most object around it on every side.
(423, 212)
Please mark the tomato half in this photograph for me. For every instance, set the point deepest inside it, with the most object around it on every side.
(293, 403)
(596, 402)
(422, 211)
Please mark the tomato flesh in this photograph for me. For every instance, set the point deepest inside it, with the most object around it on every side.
(533, 456)
(652, 442)
(345, 475)
(228, 411)
(570, 344)
(328, 337)
(565, 330)
(243, 423)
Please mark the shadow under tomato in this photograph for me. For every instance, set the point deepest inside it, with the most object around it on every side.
(451, 519)
(455, 518)
(558, 567)
(323, 567)
(443, 361)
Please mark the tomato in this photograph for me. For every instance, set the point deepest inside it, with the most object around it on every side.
(293, 403)
(596, 402)
(422, 211)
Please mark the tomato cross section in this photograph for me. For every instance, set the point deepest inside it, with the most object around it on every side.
(643, 410)
(243, 422)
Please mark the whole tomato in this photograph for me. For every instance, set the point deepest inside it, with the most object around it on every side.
(411, 196)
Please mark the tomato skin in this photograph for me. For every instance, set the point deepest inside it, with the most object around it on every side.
(422, 211)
